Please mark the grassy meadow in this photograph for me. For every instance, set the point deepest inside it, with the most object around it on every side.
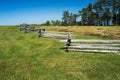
(27, 57)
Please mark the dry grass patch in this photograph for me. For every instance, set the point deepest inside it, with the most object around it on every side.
(110, 32)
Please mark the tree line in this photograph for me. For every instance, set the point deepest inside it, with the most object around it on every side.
(100, 13)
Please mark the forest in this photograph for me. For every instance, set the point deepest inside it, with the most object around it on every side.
(100, 13)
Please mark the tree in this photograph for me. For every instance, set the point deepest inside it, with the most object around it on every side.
(90, 15)
(72, 19)
(47, 23)
(101, 13)
(84, 16)
(115, 11)
(56, 23)
(65, 18)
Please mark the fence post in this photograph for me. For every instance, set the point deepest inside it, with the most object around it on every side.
(25, 30)
(68, 44)
(41, 32)
(32, 28)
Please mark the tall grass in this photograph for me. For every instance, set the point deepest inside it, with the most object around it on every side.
(104, 32)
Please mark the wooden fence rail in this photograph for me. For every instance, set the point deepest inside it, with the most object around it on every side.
(80, 40)
(49, 34)
(101, 46)
(27, 28)
(30, 29)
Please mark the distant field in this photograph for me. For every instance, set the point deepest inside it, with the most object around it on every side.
(27, 57)
(108, 32)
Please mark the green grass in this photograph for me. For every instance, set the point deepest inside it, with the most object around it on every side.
(27, 57)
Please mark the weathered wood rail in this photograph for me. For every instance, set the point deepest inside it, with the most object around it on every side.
(30, 29)
(101, 46)
(27, 28)
(49, 34)
(82, 40)
(23, 26)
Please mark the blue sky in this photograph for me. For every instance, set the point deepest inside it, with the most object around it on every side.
(13, 12)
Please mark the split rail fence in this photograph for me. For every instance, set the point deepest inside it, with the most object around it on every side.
(51, 34)
(99, 46)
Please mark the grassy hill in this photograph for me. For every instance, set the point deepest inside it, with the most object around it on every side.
(27, 57)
